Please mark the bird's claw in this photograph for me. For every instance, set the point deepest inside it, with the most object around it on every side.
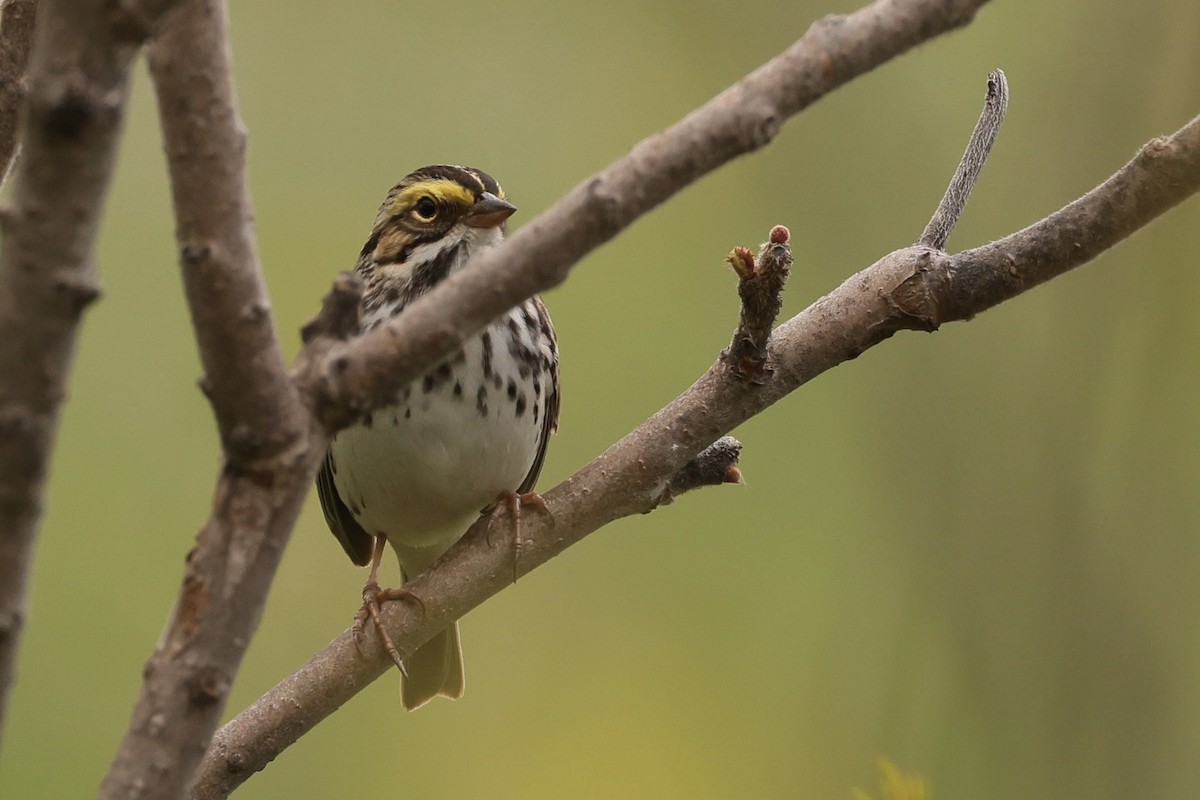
(373, 597)
(513, 504)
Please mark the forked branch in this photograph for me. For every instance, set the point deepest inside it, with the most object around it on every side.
(270, 465)
(270, 447)
(913, 288)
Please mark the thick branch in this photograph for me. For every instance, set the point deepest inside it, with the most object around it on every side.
(270, 450)
(366, 374)
(16, 37)
(245, 377)
(865, 310)
(77, 89)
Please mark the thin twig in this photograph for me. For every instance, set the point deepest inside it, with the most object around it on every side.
(938, 231)
(76, 100)
(865, 310)
(16, 39)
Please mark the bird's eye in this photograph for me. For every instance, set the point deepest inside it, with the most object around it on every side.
(425, 209)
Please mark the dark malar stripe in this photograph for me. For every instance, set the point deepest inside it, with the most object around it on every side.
(427, 275)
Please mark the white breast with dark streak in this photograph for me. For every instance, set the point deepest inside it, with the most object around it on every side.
(419, 472)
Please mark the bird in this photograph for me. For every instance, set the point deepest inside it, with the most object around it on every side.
(468, 436)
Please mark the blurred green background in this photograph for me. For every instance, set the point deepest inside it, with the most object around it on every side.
(975, 552)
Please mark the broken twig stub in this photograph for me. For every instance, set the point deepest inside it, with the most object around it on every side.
(760, 286)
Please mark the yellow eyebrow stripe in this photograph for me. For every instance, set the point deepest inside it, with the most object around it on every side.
(443, 191)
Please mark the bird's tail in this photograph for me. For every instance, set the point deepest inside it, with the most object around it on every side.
(436, 668)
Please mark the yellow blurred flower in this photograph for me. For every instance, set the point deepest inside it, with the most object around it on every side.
(895, 785)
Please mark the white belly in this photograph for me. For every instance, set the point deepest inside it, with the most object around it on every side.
(421, 470)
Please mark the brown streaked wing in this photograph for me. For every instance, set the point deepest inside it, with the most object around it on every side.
(357, 543)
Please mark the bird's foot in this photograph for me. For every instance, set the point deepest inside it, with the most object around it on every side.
(513, 505)
(373, 597)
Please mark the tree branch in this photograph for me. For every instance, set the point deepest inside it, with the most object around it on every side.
(271, 450)
(16, 38)
(366, 373)
(77, 88)
(912, 288)
(1164, 173)
(245, 378)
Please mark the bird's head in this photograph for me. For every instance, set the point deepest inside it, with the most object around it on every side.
(430, 223)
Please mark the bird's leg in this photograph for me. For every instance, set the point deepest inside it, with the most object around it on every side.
(373, 596)
(512, 504)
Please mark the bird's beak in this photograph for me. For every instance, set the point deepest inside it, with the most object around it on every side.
(489, 211)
